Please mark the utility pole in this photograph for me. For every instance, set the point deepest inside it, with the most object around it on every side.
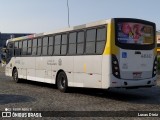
(68, 13)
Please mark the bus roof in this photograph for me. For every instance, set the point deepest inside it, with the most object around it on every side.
(92, 24)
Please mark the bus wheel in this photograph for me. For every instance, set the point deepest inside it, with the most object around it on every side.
(62, 82)
(15, 76)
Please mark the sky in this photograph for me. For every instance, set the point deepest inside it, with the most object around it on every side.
(37, 16)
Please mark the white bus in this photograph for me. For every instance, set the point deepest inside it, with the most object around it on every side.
(119, 52)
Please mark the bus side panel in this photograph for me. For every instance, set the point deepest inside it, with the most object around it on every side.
(64, 63)
(106, 71)
(29, 67)
(40, 69)
(18, 65)
(48, 63)
(87, 71)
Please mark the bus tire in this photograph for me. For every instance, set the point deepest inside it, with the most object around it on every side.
(15, 76)
(62, 82)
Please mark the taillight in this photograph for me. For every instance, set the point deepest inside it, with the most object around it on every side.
(154, 72)
(115, 67)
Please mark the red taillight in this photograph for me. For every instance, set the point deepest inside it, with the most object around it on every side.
(115, 67)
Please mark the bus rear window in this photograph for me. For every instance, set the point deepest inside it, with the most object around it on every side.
(135, 33)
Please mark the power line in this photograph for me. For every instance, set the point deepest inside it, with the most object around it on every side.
(68, 13)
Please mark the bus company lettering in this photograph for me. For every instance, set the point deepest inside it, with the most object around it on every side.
(146, 56)
(51, 62)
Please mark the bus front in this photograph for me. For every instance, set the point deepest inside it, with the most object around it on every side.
(134, 60)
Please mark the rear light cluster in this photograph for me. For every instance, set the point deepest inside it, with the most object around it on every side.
(115, 67)
(154, 68)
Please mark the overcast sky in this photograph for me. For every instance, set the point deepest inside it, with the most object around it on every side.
(35, 16)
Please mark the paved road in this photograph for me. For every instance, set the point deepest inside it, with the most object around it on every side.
(46, 97)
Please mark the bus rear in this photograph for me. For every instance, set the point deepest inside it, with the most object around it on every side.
(134, 61)
(158, 44)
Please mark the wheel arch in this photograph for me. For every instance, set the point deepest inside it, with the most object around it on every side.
(13, 70)
(58, 74)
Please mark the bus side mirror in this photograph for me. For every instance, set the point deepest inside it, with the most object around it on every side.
(3, 57)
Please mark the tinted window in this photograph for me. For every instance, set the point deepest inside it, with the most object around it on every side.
(35, 43)
(80, 37)
(51, 40)
(80, 42)
(91, 35)
(16, 45)
(57, 45)
(100, 47)
(16, 52)
(57, 49)
(25, 44)
(29, 52)
(101, 40)
(90, 47)
(72, 37)
(45, 46)
(16, 49)
(51, 43)
(34, 51)
(39, 51)
(64, 39)
(63, 49)
(20, 44)
(45, 50)
(20, 47)
(80, 48)
(50, 50)
(101, 34)
(24, 51)
(72, 49)
(29, 43)
(45, 41)
(39, 41)
(57, 39)
(34, 47)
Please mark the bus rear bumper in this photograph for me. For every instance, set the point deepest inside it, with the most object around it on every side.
(131, 83)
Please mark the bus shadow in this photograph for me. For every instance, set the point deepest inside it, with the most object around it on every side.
(138, 96)
(10, 98)
(40, 84)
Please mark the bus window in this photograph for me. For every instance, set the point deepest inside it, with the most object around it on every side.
(39, 48)
(29, 52)
(72, 43)
(45, 46)
(64, 44)
(90, 41)
(101, 40)
(34, 47)
(57, 44)
(80, 42)
(24, 49)
(50, 45)
(16, 49)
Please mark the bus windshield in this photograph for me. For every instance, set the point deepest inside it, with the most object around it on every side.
(135, 33)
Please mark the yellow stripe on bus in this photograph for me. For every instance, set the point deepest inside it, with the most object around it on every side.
(110, 47)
